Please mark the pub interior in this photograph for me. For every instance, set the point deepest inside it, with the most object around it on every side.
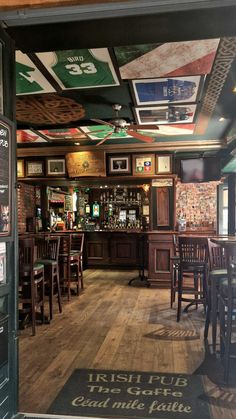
(125, 201)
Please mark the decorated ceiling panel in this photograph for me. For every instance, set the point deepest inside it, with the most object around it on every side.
(138, 94)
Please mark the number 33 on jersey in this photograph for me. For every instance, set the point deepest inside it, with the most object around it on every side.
(83, 68)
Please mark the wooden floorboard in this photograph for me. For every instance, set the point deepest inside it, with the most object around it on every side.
(109, 326)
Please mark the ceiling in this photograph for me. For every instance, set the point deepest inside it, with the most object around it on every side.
(175, 69)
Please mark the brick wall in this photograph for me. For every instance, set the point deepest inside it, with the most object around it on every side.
(198, 202)
(26, 205)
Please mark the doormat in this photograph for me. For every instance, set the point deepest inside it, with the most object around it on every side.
(122, 394)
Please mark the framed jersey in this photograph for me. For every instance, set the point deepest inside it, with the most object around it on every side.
(82, 68)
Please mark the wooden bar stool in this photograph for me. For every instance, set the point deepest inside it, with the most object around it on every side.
(77, 245)
(193, 253)
(69, 263)
(48, 255)
(217, 274)
(31, 282)
(227, 309)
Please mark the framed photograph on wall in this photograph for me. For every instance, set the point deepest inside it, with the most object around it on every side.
(55, 167)
(143, 164)
(170, 114)
(166, 90)
(164, 164)
(34, 168)
(119, 164)
(20, 168)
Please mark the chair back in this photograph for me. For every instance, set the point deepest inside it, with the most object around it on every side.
(53, 247)
(26, 256)
(230, 251)
(77, 241)
(193, 250)
(217, 257)
(65, 244)
(42, 247)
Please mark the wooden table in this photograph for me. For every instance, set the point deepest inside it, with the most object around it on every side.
(224, 240)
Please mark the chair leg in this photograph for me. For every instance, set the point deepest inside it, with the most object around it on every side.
(78, 277)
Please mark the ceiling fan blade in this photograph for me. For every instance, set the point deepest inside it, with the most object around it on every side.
(143, 126)
(100, 121)
(105, 138)
(141, 137)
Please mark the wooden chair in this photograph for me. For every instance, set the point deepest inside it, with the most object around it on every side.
(175, 260)
(193, 253)
(31, 282)
(69, 261)
(227, 308)
(48, 255)
(217, 273)
(77, 245)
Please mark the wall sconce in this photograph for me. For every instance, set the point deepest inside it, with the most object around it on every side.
(146, 188)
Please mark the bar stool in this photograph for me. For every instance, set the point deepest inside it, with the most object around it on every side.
(69, 262)
(227, 308)
(193, 253)
(48, 255)
(217, 273)
(77, 246)
(31, 282)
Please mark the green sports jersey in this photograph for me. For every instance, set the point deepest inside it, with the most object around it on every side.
(25, 82)
(80, 68)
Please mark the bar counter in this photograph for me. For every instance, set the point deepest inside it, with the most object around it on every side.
(132, 249)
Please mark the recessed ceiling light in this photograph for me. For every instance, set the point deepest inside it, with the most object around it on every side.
(234, 89)
(221, 119)
(77, 143)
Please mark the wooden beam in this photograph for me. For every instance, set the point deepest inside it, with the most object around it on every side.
(16, 4)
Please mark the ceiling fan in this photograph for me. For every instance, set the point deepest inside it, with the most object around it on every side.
(119, 125)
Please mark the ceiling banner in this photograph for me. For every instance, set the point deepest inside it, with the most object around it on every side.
(29, 79)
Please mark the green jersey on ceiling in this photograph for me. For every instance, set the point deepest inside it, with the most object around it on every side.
(83, 68)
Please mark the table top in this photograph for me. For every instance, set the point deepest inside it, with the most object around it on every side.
(224, 240)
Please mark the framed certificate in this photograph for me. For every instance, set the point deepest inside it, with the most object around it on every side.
(163, 164)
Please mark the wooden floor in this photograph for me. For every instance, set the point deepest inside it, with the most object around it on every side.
(111, 326)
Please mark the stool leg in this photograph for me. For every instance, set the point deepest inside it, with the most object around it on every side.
(58, 289)
(214, 305)
(173, 281)
(180, 286)
(228, 340)
(81, 273)
(51, 292)
(33, 314)
(208, 314)
(68, 278)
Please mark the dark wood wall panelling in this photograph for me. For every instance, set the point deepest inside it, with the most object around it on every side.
(26, 206)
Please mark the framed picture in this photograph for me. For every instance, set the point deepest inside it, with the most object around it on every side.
(119, 164)
(34, 168)
(171, 114)
(20, 168)
(166, 90)
(55, 167)
(163, 164)
(144, 164)
(80, 68)
(86, 163)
